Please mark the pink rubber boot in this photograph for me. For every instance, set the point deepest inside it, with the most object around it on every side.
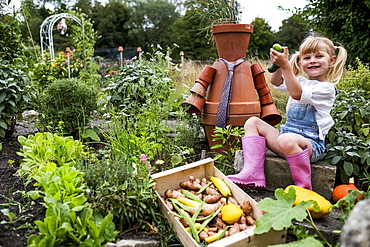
(300, 168)
(253, 173)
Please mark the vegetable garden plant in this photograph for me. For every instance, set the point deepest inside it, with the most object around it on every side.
(93, 189)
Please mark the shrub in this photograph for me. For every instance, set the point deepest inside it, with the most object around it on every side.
(136, 85)
(348, 144)
(69, 103)
(356, 78)
(13, 80)
(14, 91)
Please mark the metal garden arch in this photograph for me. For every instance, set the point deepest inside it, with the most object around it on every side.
(46, 31)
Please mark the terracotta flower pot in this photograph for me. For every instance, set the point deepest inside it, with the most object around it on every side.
(232, 40)
(195, 104)
(207, 74)
(199, 89)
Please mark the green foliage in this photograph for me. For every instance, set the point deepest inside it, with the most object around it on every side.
(64, 226)
(14, 82)
(69, 101)
(122, 186)
(290, 34)
(216, 12)
(280, 212)
(345, 22)
(84, 38)
(349, 138)
(47, 71)
(307, 242)
(356, 78)
(149, 26)
(50, 160)
(185, 33)
(14, 93)
(138, 83)
(44, 148)
(347, 203)
(229, 139)
(10, 39)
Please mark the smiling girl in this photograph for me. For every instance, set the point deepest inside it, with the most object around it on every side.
(309, 78)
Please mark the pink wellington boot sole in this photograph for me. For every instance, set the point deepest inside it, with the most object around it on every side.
(256, 185)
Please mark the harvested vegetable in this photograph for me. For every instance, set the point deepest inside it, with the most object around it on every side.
(171, 193)
(303, 194)
(212, 198)
(342, 190)
(247, 207)
(221, 186)
(188, 202)
(231, 213)
(191, 184)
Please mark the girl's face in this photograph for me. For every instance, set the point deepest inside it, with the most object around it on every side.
(316, 64)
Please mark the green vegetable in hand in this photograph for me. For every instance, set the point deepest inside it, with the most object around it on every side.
(274, 67)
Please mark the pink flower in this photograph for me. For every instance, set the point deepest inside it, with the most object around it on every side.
(143, 157)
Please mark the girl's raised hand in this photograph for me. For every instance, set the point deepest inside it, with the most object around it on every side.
(278, 58)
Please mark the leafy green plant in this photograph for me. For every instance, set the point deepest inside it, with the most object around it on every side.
(137, 84)
(280, 213)
(216, 12)
(349, 138)
(43, 148)
(230, 141)
(14, 93)
(122, 186)
(69, 220)
(69, 101)
(65, 226)
(347, 203)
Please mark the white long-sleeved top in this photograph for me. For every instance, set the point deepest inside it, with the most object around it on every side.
(319, 94)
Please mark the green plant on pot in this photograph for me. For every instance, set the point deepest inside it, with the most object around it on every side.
(216, 12)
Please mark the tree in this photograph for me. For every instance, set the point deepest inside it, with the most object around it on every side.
(345, 22)
(195, 44)
(150, 23)
(291, 34)
(261, 39)
(110, 24)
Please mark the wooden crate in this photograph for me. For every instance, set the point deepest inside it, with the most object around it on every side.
(170, 179)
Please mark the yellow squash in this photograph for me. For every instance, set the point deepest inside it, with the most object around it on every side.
(303, 194)
(231, 213)
(221, 186)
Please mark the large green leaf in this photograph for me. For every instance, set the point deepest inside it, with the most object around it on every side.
(280, 213)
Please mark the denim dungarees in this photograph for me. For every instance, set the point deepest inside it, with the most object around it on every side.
(301, 119)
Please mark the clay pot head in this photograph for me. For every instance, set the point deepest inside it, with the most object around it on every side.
(232, 40)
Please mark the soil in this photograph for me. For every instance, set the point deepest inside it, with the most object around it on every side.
(14, 232)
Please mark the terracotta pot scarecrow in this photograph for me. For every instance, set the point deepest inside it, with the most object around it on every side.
(225, 93)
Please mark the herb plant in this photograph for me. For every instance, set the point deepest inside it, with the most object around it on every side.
(349, 139)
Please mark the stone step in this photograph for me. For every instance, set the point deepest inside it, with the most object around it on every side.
(278, 174)
(134, 243)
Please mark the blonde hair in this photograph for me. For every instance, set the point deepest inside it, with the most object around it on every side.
(314, 44)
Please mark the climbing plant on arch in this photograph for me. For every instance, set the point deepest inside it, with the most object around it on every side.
(82, 35)
(46, 31)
